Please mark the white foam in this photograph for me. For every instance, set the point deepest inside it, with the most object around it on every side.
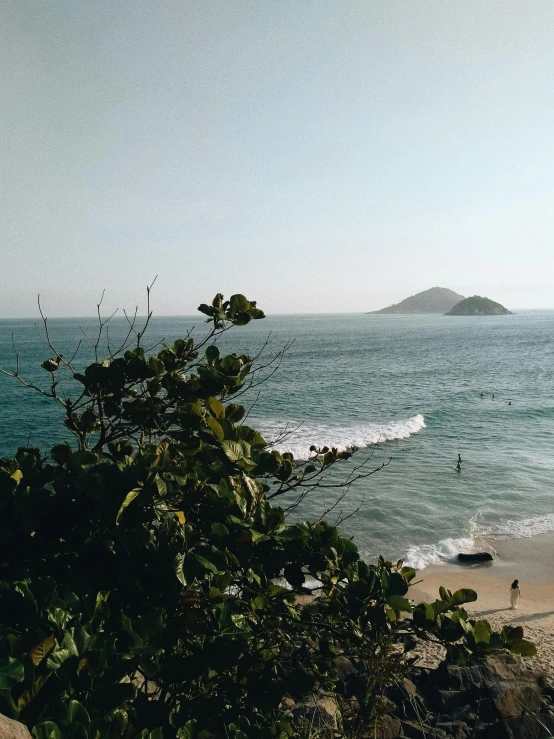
(298, 438)
(473, 540)
(420, 556)
(523, 529)
(477, 539)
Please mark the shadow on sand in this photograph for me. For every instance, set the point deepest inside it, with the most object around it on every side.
(517, 619)
(532, 617)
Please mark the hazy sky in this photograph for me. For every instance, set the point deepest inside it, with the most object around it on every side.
(316, 155)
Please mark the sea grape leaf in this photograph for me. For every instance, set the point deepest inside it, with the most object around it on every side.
(12, 672)
(128, 499)
(465, 595)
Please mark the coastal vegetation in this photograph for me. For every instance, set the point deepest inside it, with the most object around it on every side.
(151, 582)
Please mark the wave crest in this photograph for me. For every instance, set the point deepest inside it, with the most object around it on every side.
(297, 440)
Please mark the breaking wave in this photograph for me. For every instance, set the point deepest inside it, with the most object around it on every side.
(288, 437)
(478, 538)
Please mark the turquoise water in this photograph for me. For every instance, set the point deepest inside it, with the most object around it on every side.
(406, 387)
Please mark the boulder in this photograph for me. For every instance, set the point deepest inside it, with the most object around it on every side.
(475, 557)
(523, 727)
(10, 729)
(456, 729)
(388, 727)
(501, 683)
(316, 713)
(420, 730)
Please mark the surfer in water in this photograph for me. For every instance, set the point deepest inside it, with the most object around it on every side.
(459, 463)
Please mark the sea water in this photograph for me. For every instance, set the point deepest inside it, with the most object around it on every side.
(411, 392)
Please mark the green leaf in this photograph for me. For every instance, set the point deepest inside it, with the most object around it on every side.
(259, 603)
(46, 730)
(156, 365)
(512, 636)
(188, 731)
(207, 564)
(212, 354)
(423, 615)
(102, 609)
(524, 649)
(12, 672)
(81, 639)
(216, 407)
(75, 720)
(161, 486)
(22, 587)
(397, 585)
(239, 304)
(40, 651)
(129, 498)
(233, 450)
(220, 530)
(136, 640)
(482, 631)
(61, 453)
(450, 629)
(215, 428)
(179, 561)
(465, 595)
(58, 657)
(399, 603)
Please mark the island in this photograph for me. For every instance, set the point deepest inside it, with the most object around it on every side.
(434, 300)
(478, 306)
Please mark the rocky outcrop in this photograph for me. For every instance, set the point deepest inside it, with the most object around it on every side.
(319, 714)
(495, 698)
(499, 697)
(10, 729)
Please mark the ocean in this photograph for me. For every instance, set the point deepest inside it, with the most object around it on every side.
(411, 392)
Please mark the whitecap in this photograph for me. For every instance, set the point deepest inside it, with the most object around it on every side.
(297, 438)
(524, 528)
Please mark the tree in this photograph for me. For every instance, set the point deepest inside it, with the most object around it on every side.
(148, 585)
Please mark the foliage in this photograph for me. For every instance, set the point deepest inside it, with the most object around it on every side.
(148, 586)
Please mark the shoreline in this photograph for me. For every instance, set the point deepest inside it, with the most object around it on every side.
(531, 561)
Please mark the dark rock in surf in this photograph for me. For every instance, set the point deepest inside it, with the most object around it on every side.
(476, 557)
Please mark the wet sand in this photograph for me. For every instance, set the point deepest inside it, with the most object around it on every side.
(531, 561)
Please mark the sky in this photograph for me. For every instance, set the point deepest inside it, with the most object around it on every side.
(315, 155)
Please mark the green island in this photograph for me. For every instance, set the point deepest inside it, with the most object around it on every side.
(478, 306)
(433, 300)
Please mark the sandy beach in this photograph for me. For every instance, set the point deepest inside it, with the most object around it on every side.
(531, 561)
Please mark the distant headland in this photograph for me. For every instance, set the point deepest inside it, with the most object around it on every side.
(478, 306)
(434, 300)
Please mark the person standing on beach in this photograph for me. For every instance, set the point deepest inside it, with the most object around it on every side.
(515, 592)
